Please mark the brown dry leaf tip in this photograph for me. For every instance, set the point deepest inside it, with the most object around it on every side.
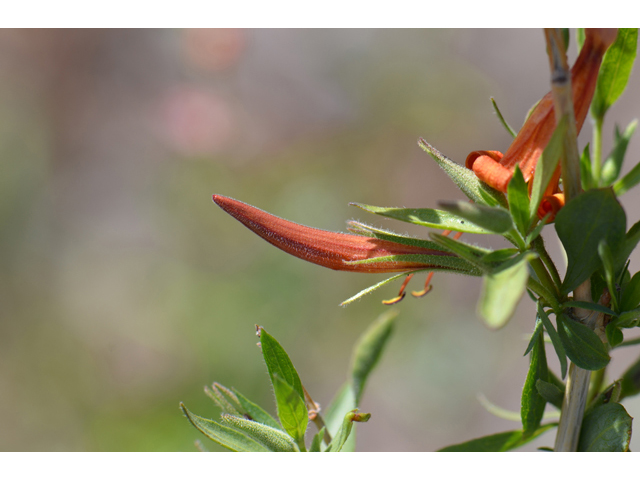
(496, 169)
(329, 249)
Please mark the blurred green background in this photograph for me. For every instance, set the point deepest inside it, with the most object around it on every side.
(124, 289)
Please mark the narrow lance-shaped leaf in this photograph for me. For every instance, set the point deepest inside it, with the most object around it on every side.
(613, 164)
(631, 294)
(615, 71)
(498, 442)
(533, 403)
(518, 196)
(555, 339)
(586, 175)
(609, 274)
(226, 436)
(550, 392)
(465, 179)
(341, 437)
(504, 123)
(368, 350)
(292, 410)
(581, 225)
(256, 412)
(278, 362)
(627, 182)
(546, 167)
(274, 439)
(316, 443)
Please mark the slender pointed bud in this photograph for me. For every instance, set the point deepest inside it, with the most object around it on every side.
(329, 249)
(536, 132)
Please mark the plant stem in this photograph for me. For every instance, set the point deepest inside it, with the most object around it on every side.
(538, 245)
(537, 288)
(596, 159)
(543, 275)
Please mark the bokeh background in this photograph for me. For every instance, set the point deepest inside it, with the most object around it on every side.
(124, 289)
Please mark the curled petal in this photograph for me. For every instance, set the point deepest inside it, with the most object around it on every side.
(337, 251)
(487, 167)
(551, 204)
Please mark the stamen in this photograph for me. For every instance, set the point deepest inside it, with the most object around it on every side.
(401, 293)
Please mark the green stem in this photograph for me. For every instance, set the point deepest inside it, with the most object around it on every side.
(545, 294)
(596, 159)
(538, 245)
(597, 378)
(543, 276)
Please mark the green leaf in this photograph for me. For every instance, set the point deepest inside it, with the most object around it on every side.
(224, 399)
(630, 381)
(255, 411)
(604, 252)
(343, 402)
(275, 440)
(555, 340)
(498, 442)
(278, 362)
(582, 345)
(534, 336)
(611, 394)
(225, 436)
(546, 166)
(426, 217)
(581, 225)
(368, 349)
(533, 403)
(586, 175)
(628, 319)
(613, 164)
(550, 392)
(499, 256)
(465, 179)
(292, 410)
(504, 123)
(495, 220)
(339, 440)
(631, 294)
(627, 182)
(614, 335)
(502, 289)
(535, 233)
(631, 239)
(614, 71)
(518, 195)
(595, 307)
(606, 429)
(316, 443)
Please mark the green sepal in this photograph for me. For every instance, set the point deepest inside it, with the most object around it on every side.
(316, 443)
(498, 442)
(504, 123)
(581, 344)
(465, 179)
(226, 436)
(472, 254)
(292, 410)
(606, 428)
(537, 230)
(518, 195)
(614, 71)
(278, 362)
(631, 294)
(370, 289)
(581, 225)
(255, 411)
(431, 262)
(532, 403)
(368, 350)
(613, 164)
(275, 440)
(502, 289)
(499, 256)
(339, 440)
(550, 392)
(426, 217)
(555, 340)
(374, 232)
(224, 399)
(493, 219)
(546, 166)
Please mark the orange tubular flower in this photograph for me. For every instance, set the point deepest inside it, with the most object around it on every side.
(496, 170)
(329, 249)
